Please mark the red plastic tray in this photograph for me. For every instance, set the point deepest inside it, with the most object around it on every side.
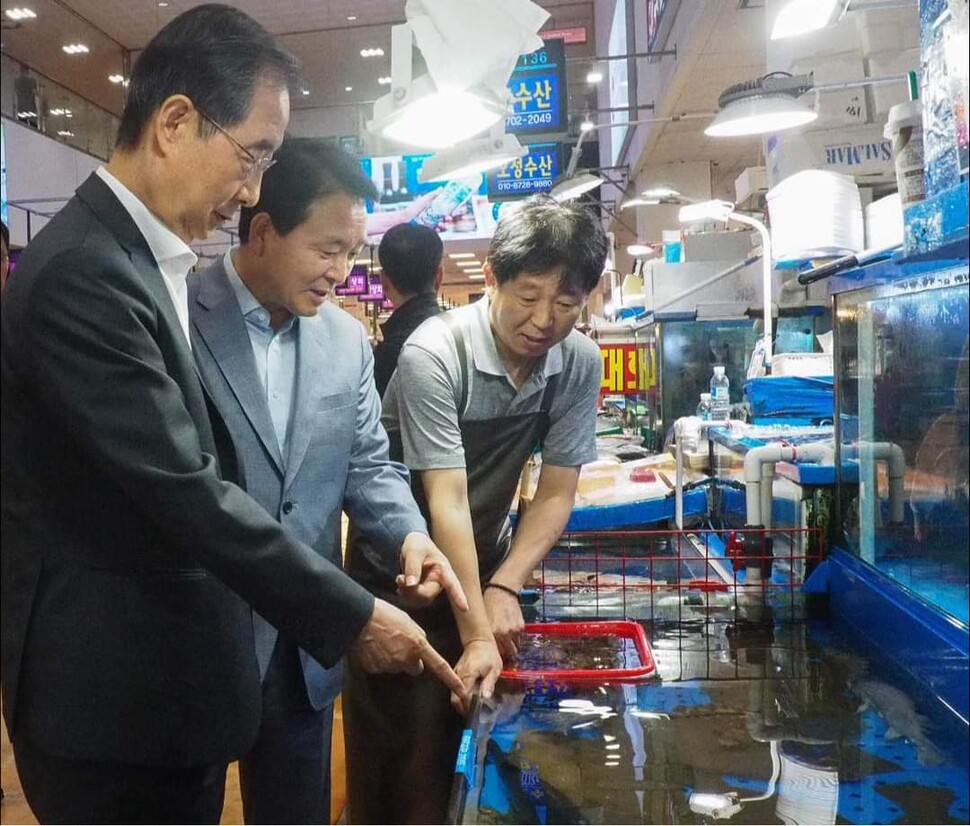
(620, 628)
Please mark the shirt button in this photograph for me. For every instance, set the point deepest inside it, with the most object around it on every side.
(287, 507)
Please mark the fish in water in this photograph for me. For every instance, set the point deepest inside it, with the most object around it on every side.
(897, 709)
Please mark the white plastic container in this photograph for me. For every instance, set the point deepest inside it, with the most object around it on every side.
(802, 364)
(905, 129)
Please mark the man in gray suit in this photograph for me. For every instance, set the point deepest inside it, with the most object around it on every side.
(292, 375)
(129, 553)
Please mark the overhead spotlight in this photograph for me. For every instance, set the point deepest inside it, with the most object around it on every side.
(304, 91)
(567, 188)
(587, 125)
(768, 104)
(470, 157)
(594, 76)
(348, 88)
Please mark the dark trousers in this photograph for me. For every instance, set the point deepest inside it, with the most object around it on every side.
(285, 778)
(402, 738)
(60, 790)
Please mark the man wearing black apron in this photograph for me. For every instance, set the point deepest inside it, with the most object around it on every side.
(476, 391)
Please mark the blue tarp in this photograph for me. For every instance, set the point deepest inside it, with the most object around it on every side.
(792, 400)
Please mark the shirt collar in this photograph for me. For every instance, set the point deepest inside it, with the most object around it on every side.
(169, 250)
(485, 355)
(249, 305)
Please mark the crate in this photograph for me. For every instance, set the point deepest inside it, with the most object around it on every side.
(802, 364)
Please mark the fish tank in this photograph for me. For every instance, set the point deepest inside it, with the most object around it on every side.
(902, 411)
(690, 349)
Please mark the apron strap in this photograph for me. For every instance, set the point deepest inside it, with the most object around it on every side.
(452, 323)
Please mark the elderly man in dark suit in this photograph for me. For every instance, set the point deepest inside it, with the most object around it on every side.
(129, 675)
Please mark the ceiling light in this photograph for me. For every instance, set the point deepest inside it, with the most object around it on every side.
(637, 202)
(377, 52)
(594, 77)
(660, 192)
(472, 264)
(162, 4)
(59, 111)
(640, 250)
(476, 277)
(421, 112)
(348, 88)
(461, 255)
(19, 13)
(351, 17)
(427, 116)
(384, 80)
(768, 104)
(800, 16)
(470, 157)
(76, 48)
(116, 78)
(26, 113)
(587, 125)
(304, 91)
(567, 188)
(64, 133)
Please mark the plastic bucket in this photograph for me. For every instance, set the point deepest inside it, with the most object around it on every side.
(905, 129)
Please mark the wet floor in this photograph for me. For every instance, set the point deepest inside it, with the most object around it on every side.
(755, 721)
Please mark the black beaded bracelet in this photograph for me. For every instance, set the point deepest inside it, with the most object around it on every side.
(510, 591)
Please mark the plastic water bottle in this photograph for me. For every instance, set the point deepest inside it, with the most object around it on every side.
(448, 200)
(720, 394)
(704, 408)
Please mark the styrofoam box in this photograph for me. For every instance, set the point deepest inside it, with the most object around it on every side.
(802, 364)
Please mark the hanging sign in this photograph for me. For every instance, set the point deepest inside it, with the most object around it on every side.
(529, 175)
(538, 89)
(628, 368)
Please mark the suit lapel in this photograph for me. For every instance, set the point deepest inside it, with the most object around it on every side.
(222, 328)
(314, 345)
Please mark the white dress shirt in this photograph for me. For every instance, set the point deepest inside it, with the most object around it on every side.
(173, 256)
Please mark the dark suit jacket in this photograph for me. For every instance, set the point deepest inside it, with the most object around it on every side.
(126, 558)
(338, 451)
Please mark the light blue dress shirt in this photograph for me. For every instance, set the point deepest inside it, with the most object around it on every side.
(275, 352)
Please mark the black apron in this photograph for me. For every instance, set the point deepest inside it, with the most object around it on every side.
(400, 732)
(495, 452)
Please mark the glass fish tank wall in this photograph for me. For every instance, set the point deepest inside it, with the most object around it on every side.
(902, 403)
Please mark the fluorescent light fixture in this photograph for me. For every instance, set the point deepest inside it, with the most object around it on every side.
(660, 192)
(351, 17)
(377, 52)
(59, 112)
(705, 211)
(567, 188)
(594, 77)
(385, 80)
(800, 16)
(461, 255)
(476, 277)
(116, 78)
(20, 13)
(638, 202)
(426, 116)
(65, 133)
(471, 263)
(640, 250)
(470, 157)
(26, 113)
(75, 48)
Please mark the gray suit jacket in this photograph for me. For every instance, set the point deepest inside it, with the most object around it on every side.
(338, 450)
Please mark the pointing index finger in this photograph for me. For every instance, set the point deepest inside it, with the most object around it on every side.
(438, 666)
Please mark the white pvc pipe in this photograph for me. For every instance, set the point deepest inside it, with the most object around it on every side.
(766, 268)
(771, 453)
(892, 454)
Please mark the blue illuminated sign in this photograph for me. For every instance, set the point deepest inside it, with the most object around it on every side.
(529, 175)
(538, 89)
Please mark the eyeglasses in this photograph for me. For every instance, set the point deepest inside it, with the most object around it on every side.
(253, 167)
